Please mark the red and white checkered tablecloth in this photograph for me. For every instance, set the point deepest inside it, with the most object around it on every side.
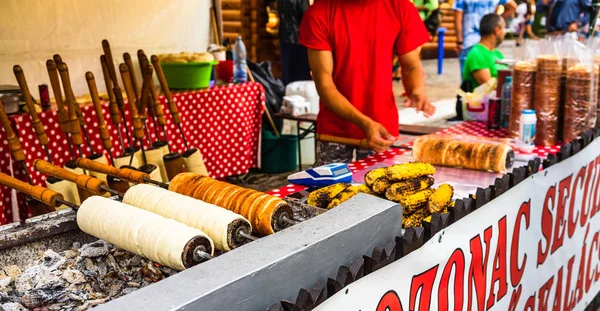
(224, 123)
(464, 128)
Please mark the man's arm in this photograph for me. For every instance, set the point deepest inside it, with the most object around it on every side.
(482, 76)
(413, 78)
(458, 25)
(509, 9)
(321, 64)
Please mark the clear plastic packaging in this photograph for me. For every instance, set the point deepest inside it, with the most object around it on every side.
(547, 93)
(523, 85)
(580, 92)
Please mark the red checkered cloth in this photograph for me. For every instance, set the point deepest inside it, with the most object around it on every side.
(223, 122)
(464, 128)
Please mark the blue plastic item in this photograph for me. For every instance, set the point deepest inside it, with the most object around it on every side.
(323, 175)
(441, 51)
(240, 74)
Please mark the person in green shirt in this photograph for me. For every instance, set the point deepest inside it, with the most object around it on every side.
(480, 65)
(425, 7)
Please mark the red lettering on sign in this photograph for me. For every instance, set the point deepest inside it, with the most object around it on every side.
(572, 215)
(514, 298)
(567, 301)
(564, 188)
(499, 272)
(389, 302)
(530, 304)
(546, 225)
(557, 305)
(478, 269)
(457, 260)
(543, 294)
(589, 279)
(596, 204)
(581, 275)
(585, 207)
(516, 273)
(422, 283)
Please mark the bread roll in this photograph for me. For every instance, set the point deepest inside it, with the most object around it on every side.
(194, 162)
(465, 154)
(141, 232)
(264, 211)
(218, 223)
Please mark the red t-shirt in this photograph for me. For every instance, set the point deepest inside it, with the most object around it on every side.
(362, 35)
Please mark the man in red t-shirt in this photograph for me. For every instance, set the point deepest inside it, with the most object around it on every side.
(350, 51)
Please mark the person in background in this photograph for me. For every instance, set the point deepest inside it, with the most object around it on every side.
(425, 7)
(480, 65)
(525, 27)
(294, 56)
(351, 66)
(568, 17)
(468, 15)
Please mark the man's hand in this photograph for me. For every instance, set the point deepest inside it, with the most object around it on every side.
(378, 137)
(458, 48)
(573, 27)
(421, 103)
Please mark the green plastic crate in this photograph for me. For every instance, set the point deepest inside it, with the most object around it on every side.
(278, 155)
(188, 75)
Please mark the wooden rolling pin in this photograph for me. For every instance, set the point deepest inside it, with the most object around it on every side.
(44, 195)
(74, 127)
(115, 114)
(126, 174)
(13, 141)
(134, 83)
(104, 134)
(344, 141)
(138, 127)
(165, 88)
(63, 118)
(156, 109)
(92, 184)
(35, 120)
(58, 60)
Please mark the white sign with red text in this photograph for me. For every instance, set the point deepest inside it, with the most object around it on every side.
(536, 247)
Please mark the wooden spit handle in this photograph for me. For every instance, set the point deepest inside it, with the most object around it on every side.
(342, 140)
(110, 62)
(44, 195)
(89, 183)
(144, 99)
(155, 103)
(134, 84)
(58, 60)
(63, 118)
(123, 173)
(37, 123)
(115, 114)
(165, 88)
(138, 127)
(13, 141)
(104, 135)
(143, 61)
(75, 129)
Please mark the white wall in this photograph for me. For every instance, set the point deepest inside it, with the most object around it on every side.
(33, 31)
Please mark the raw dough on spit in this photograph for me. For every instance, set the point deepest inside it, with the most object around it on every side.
(102, 160)
(195, 164)
(207, 217)
(157, 238)
(67, 189)
(155, 156)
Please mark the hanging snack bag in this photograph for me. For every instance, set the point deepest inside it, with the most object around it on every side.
(523, 85)
(547, 92)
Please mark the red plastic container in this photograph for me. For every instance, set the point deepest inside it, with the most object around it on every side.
(224, 71)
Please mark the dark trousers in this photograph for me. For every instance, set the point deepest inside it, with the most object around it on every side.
(294, 58)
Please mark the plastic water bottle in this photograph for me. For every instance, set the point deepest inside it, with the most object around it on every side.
(506, 100)
(527, 131)
(239, 58)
